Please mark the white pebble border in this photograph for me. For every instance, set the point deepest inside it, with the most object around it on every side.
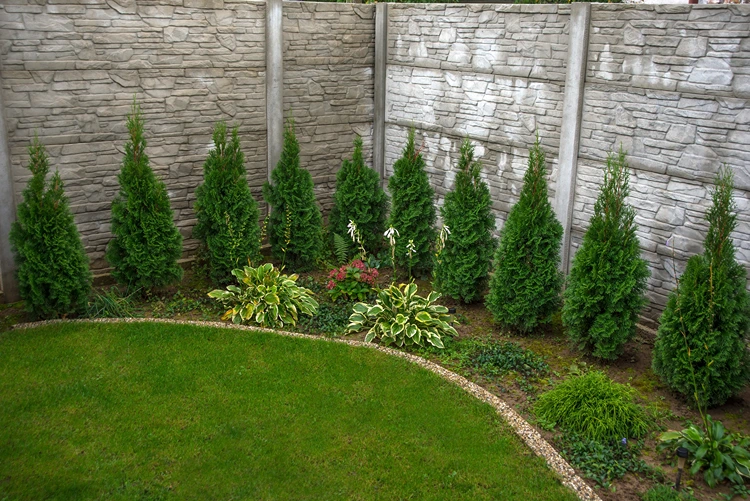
(528, 434)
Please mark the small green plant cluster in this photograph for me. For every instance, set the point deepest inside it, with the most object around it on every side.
(331, 319)
(53, 271)
(607, 282)
(146, 243)
(605, 461)
(594, 407)
(111, 304)
(413, 212)
(265, 297)
(403, 317)
(179, 303)
(500, 358)
(462, 270)
(355, 280)
(718, 453)
(226, 210)
(663, 492)
(526, 284)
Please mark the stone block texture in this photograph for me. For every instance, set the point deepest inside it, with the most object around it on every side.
(493, 73)
(329, 55)
(670, 84)
(70, 71)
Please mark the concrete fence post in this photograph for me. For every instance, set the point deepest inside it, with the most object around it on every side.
(7, 213)
(570, 133)
(381, 59)
(274, 82)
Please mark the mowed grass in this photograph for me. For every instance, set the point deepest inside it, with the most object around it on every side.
(157, 411)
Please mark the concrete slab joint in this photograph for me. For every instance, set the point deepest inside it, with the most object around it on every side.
(8, 284)
(274, 82)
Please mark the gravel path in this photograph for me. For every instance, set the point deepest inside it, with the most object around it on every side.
(528, 434)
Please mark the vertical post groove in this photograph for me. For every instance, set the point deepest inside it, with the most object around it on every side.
(570, 133)
(381, 59)
(274, 82)
(7, 213)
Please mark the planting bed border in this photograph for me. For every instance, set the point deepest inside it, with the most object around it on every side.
(524, 430)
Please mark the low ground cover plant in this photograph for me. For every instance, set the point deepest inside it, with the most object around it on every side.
(355, 280)
(502, 357)
(112, 303)
(663, 492)
(593, 407)
(402, 317)
(265, 297)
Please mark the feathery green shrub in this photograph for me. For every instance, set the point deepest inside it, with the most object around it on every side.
(462, 272)
(359, 198)
(413, 212)
(226, 210)
(526, 284)
(295, 226)
(146, 242)
(53, 271)
(700, 349)
(607, 282)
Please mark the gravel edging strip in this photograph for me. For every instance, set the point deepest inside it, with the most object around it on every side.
(524, 430)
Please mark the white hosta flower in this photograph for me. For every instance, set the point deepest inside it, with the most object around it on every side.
(352, 228)
(410, 248)
(391, 234)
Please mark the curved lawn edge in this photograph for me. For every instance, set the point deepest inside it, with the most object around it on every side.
(523, 429)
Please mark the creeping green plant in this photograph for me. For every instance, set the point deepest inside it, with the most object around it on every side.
(401, 316)
(265, 297)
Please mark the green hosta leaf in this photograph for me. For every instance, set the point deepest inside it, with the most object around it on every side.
(220, 294)
(260, 318)
(375, 310)
(411, 329)
(423, 317)
(396, 330)
(357, 318)
(247, 312)
(435, 341)
(271, 298)
(361, 308)
(370, 336)
(401, 319)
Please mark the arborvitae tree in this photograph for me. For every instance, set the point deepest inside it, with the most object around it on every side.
(295, 226)
(412, 209)
(700, 349)
(53, 271)
(463, 268)
(607, 282)
(360, 198)
(226, 210)
(146, 243)
(525, 287)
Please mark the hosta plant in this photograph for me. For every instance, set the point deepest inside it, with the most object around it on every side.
(401, 316)
(265, 297)
(721, 454)
(355, 280)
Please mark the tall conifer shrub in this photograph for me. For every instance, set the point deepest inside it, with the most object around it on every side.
(608, 278)
(295, 226)
(463, 269)
(525, 287)
(226, 211)
(53, 271)
(412, 209)
(146, 243)
(359, 198)
(701, 345)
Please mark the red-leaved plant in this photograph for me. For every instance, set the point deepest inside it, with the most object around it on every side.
(355, 280)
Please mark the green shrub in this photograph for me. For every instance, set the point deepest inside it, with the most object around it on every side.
(607, 282)
(499, 358)
(412, 212)
(265, 297)
(401, 316)
(330, 320)
(355, 280)
(526, 284)
(359, 198)
(720, 454)
(146, 242)
(593, 406)
(666, 493)
(462, 272)
(53, 271)
(700, 348)
(111, 304)
(295, 226)
(226, 210)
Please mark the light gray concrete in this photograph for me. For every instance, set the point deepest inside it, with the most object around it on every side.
(274, 82)
(381, 57)
(570, 132)
(8, 283)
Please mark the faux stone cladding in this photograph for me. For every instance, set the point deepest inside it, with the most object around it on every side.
(329, 53)
(70, 73)
(671, 85)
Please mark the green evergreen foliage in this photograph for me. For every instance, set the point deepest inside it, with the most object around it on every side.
(226, 211)
(295, 226)
(359, 198)
(525, 287)
(700, 349)
(413, 212)
(53, 271)
(607, 282)
(146, 243)
(462, 272)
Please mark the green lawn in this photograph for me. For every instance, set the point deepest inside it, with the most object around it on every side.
(150, 411)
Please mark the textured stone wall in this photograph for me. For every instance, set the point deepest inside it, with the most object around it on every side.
(69, 74)
(671, 84)
(494, 73)
(329, 53)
